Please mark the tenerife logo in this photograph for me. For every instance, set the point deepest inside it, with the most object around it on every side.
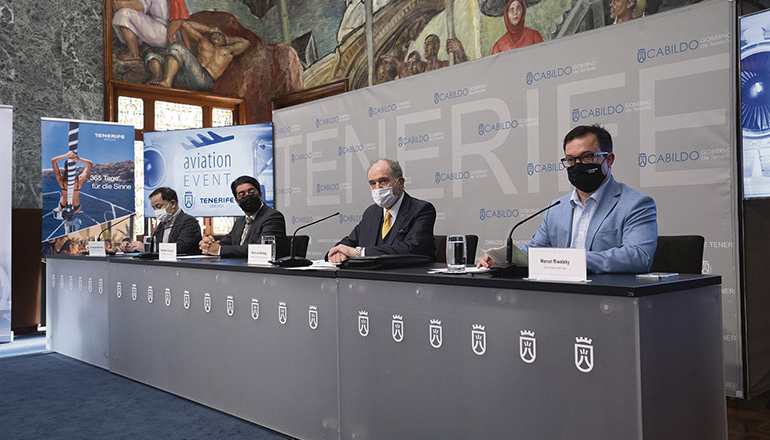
(119, 289)
(397, 328)
(485, 214)
(527, 347)
(436, 333)
(254, 308)
(283, 313)
(80, 284)
(189, 200)
(312, 317)
(478, 339)
(230, 305)
(363, 323)
(671, 49)
(537, 168)
(706, 268)
(207, 302)
(681, 156)
(149, 294)
(186, 300)
(584, 354)
(578, 114)
(167, 296)
(548, 74)
(101, 286)
(381, 109)
(133, 292)
(90, 285)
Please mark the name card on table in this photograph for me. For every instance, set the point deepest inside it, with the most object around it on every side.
(260, 254)
(167, 252)
(96, 249)
(557, 264)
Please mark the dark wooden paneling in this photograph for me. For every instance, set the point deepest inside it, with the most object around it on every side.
(27, 227)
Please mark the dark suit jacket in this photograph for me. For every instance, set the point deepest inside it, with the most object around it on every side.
(267, 222)
(185, 232)
(412, 233)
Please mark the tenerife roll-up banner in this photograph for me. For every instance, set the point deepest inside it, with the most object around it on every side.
(482, 140)
(6, 174)
(88, 183)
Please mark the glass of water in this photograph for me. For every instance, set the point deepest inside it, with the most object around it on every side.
(269, 239)
(456, 253)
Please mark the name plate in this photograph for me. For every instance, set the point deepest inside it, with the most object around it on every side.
(557, 264)
(96, 249)
(260, 254)
(167, 252)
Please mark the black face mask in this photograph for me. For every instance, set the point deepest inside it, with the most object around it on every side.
(250, 203)
(586, 177)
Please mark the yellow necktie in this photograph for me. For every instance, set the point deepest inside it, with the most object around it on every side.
(386, 224)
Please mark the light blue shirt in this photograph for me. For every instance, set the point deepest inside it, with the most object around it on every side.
(582, 215)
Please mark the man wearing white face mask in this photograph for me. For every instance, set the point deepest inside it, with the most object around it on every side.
(395, 224)
(174, 226)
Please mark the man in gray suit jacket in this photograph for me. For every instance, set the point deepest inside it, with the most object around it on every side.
(259, 220)
(616, 225)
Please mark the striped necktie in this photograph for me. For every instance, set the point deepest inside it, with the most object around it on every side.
(386, 224)
(246, 228)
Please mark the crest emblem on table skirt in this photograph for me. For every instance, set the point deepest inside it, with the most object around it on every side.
(584, 354)
(436, 333)
(363, 323)
(397, 328)
(527, 346)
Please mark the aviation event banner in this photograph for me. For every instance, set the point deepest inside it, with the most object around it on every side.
(200, 165)
(6, 174)
(482, 140)
(77, 195)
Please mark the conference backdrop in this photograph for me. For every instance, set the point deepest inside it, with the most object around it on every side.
(6, 172)
(200, 165)
(482, 140)
(88, 180)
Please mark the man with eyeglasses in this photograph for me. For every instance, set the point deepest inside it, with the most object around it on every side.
(259, 220)
(616, 225)
(396, 223)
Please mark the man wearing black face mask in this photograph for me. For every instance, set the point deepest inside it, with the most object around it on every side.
(616, 225)
(259, 220)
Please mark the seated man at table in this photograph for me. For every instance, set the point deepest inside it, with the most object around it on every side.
(260, 220)
(395, 224)
(616, 225)
(174, 225)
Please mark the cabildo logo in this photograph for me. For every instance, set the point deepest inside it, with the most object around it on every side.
(537, 168)
(671, 49)
(578, 114)
(288, 190)
(301, 219)
(286, 129)
(373, 111)
(306, 156)
(488, 214)
(548, 74)
(460, 175)
(459, 93)
(403, 141)
(319, 188)
(497, 126)
(329, 120)
(344, 218)
(682, 156)
(353, 148)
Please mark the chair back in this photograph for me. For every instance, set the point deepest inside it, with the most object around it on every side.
(471, 241)
(679, 253)
(283, 246)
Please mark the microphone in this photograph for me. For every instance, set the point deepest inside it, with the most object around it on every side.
(292, 260)
(509, 269)
(153, 254)
(99, 237)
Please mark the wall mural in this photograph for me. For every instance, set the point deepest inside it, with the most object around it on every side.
(260, 49)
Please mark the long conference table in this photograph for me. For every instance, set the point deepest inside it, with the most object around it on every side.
(403, 354)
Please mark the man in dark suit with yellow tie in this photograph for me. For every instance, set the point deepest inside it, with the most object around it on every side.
(260, 220)
(395, 224)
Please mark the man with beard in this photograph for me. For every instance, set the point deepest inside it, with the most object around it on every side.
(215, 52)
(616, 225)
(259, 220)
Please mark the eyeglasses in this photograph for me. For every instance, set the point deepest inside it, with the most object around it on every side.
(243, 194)
(586, 159)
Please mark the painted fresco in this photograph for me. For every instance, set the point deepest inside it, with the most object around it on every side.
(262, 53)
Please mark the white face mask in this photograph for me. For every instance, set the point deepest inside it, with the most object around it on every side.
(384, 197)
(162, 215)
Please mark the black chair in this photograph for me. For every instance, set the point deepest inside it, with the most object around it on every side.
(283, 246)
(679, 253)
(471, 241)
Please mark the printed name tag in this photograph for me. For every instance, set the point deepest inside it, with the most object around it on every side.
(557, 264)
(167, 252)
(96, 249)
(260, 254)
